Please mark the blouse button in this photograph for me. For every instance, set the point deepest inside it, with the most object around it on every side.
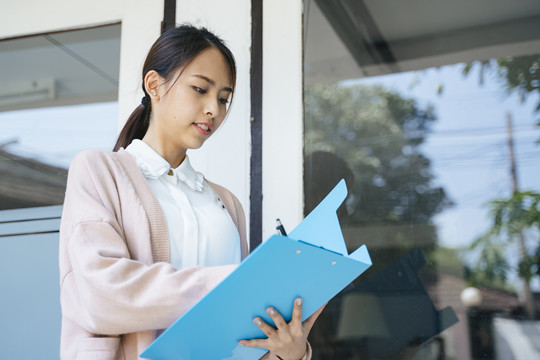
(170, 173)
(221, 202)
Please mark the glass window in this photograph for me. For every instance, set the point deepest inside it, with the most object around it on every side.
(429, 111)
(58, 96)
(37, 145)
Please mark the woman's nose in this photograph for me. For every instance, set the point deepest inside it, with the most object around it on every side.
(211, 108)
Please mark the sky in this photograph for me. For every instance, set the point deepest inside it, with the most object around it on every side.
(54, 135)
(468, 145)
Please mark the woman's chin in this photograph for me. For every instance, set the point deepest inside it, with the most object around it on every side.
(196, 145)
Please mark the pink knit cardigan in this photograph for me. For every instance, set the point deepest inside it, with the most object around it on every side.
(117, 286)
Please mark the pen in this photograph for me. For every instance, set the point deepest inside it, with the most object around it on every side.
(280, 229)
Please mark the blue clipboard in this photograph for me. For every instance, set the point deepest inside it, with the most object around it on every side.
(312, 263)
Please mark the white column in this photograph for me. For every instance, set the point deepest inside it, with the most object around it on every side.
(225, 157)
(282, 114)
(141, 26)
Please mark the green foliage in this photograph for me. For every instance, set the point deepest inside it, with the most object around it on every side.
(516, 213)
(521, 211)
(378, 133)
(511, 217)
(448, 260)
(528, 267)
(521, 74)
(492, 266)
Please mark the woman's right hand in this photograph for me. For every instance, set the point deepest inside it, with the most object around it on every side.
(288, 341)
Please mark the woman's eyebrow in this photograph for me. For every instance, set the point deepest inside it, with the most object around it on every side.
(212, 82)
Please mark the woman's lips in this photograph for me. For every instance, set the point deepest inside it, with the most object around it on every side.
(204, 128)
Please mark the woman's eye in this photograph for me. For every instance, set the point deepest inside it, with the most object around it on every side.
(223, 101)
(199, 90)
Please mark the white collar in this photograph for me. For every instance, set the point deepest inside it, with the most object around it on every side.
(153, 166)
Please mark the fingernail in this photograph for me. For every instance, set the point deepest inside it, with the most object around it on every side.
(258, 322)
(271, 312)
(299, 301)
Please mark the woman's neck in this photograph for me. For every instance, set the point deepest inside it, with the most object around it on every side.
(173, 155)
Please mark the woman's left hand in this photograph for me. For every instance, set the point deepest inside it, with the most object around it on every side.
(287, 340)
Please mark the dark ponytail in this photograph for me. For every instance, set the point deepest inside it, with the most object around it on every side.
(135, 127)
(173, 50)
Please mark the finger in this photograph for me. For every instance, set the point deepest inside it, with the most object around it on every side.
(308, 324)
(277, 318)
(260, 343)
(297, 311)
(266, 329)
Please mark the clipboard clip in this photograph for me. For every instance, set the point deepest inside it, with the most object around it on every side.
(279, 228)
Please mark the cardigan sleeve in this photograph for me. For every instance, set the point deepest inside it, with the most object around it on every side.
(109, 293)
(103, 289)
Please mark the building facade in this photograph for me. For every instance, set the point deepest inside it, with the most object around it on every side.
(426, 109)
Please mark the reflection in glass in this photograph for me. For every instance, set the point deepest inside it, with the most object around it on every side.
(375, 323)
(26, 182)
(58, 98)
(37, 145)
(396, 103)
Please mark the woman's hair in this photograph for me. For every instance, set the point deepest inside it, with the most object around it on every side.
(174, 49)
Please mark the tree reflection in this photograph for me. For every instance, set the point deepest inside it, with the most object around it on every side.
(372, 137)
(378, 134)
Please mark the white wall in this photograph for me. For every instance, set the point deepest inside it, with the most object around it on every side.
(282, 114)
(141, 25)
(225, 157)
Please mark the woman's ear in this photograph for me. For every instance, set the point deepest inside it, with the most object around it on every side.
(151, 83)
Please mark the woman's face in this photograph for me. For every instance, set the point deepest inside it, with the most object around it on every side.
(189, 110)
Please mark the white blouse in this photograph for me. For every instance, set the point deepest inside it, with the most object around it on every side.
(201, 231)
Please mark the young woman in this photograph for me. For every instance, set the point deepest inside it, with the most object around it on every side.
(144, 236)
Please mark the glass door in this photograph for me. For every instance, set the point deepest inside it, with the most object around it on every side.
(429, 111)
